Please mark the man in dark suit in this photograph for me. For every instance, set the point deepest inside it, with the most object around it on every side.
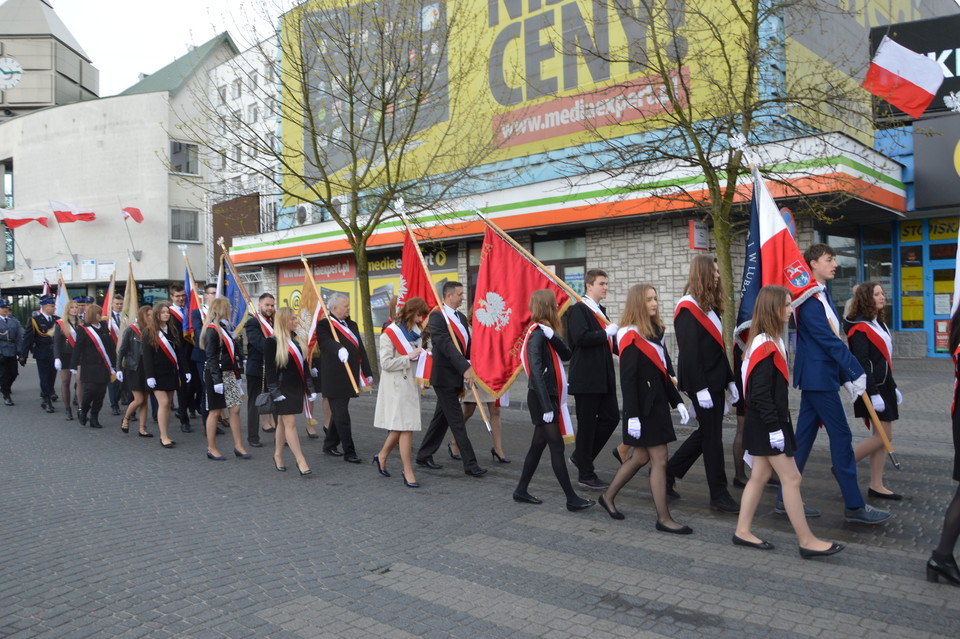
(592, 381)
(186, 392)
(451, 368)
(113, 388)
(335, 383)
(11, 341)
(39, 339)
(823, 362)
(254, 333)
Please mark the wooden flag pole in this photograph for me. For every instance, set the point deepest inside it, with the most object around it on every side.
(333, 331)
(883, 434)
(473, 387)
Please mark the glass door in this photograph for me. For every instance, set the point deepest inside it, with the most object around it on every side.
(940, 294)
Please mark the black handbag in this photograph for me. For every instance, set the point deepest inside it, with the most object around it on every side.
(264, 404)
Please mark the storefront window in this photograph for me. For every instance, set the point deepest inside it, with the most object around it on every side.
(844, 242)
(911, 274)
(878, 266)
(876, 234)
(566, 255)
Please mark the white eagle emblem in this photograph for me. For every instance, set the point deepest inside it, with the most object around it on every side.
(402, 295)
(492, 311)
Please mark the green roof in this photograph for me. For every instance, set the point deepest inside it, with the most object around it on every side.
(175, 75)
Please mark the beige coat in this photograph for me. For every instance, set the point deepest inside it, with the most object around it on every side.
(398, 398)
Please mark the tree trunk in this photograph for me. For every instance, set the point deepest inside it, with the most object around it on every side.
(363, 308)
(721, 235)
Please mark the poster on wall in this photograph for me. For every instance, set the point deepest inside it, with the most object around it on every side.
(66, 270)
(88, 269)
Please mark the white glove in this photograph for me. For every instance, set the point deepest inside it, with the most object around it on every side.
(188, 377)
(857, 387)
(343, 355)
(633, 427)
(776, 440)
(684, 414)
(704, 399)
(217, 388)
(547, 331)
(748, 459)
(73, 371)
(899, 396)
(548, 417)
(314, 372)
(279, 398)
(152, 382)
(119, 376)
(57, 364)
(370, 380)
(243, 393)
(878, 404)
(734, 393)
(312, 397)
(611, 330)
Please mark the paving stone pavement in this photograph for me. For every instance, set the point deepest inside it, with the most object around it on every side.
(110, 535)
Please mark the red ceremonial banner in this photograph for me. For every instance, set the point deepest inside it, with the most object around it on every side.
(414, 279)
(501, 311)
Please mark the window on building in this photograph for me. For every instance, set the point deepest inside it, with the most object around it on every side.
(237, 89)
(222, 159)
(223, 94)
(878, 263)
(844, 242)
(184, 158)
(566, 254)
(184, 225)
(237, 153)
(252, 113)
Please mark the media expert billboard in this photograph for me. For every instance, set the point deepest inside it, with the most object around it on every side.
(550, 72)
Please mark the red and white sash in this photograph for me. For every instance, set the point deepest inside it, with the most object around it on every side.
(227, 344)
(652, 350)
(348, 334)
(599, 316)
(424, 368)
(398, 339)
(829, 312)
(566, 424)
(98, 344)
(168, 350)
(114, 329)
(177, 315)
(70, 334)
(454, 320)
(265, 325)
(710, 321)
(297, 358)
(764, 346)
(136, 329)
(878, 336)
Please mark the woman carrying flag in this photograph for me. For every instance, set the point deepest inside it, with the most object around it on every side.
(65, 335)
(131, 370)
(767, 430)
(221, 377)
(398, 402)
(95, 356)
(648, 394)
(288, 380)
(164, 364)
(541, 355)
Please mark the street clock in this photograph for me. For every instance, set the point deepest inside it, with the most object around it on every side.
(10, 72)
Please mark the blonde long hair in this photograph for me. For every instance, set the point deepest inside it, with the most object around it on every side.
(543, 309)
(219, 309)
(283, 335)
(635, 312)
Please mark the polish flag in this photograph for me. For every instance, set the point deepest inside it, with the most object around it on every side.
(132, 213)
(68, 213)
(904, 78)
(14, 218)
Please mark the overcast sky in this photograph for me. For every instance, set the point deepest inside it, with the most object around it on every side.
(126, 37)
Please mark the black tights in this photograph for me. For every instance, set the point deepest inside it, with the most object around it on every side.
(658, 478)
(951, 528)
(546, 435)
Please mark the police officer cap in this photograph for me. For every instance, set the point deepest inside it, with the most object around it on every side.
(47, 299)
(4, 302)
(80, 299)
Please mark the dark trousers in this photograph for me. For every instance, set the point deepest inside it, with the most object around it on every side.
(339, 431)
(202, 405)
(48, 375)
(598, 415)
(707, 440)
(113, 388)
(448, 414)
(93, 398)
(254, 388)
(8, 373)
(825, 407)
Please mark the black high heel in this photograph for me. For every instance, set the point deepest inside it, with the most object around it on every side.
(303, 473)
(376, 460)
(242, 455)
(498, 458)
(450, 450)
(946, 568)
(409, 484)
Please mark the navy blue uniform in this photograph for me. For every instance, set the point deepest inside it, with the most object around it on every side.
(38, 338)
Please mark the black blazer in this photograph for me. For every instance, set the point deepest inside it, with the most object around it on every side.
(767, 401)
(591, 365)
(702, 361)
(449, 364)
(88, 359)
(218, 358)
(334, 381)
(255, 342)
(286, 381)
(128, 354)
(61, 347)
(157, 365)
(647, 394)
(196, 321)
(543, 371)
(879, 376)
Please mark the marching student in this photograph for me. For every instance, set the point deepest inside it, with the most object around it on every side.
(130, 370)
(871, 343)
(767, 430)
(165, 367)
(541, 354)
(646, 381)
(704, 375)
(95, 357)
(64, 340)
(221, 371)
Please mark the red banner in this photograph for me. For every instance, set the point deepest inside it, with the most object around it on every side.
(501, 311)
(414, 279)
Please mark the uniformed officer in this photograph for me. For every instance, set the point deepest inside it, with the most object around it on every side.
(39, 339)
(11, 340)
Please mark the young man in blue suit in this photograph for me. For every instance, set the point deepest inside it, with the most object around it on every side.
(824, 363)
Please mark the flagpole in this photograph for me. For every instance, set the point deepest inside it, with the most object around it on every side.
(64, 235)
(333, 331)
(236, 278)
(126, 224)
(473, 387)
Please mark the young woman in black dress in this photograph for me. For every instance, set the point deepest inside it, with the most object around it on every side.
(96, 357)
(64, 339)
(164, 365)
(221, 377)
(942, 562)
(290, 384)
(767, 429)
(646, 381)
(130, 373)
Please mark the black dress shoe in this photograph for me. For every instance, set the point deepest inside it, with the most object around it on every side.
(759, 545)
(879, 495)
(476, 472)
(594, 482)
(50, 408)
(806, 553)
(309, 434)
(682, 530)
(579, 504)
(255, 444)
(738, 483)
(725, 505)
(333, 452)
(352, 459)
(169, 444)
(185, 428)
(613, 512)
(115, 410)
(526, 498)
(7, 401)
(429, 463)
(452, 456)
(671, 493)
(82, 417)
(940, 567)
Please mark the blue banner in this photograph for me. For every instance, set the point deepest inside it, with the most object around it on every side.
(752, 280)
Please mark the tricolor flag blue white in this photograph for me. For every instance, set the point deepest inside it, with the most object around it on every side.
(192, 303)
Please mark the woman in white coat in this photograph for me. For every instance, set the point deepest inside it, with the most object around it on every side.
(398, 400)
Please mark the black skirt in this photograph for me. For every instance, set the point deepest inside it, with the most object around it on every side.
(657, 430)
(891, 412)
(756, 441)
(133, 380)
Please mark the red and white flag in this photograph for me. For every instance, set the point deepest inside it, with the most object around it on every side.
(414, 278)
(501, 311)
(14, 218)
(132, 213)
(66, 213)
(904, 78)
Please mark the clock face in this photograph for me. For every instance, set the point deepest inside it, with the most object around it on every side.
(10, 73)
